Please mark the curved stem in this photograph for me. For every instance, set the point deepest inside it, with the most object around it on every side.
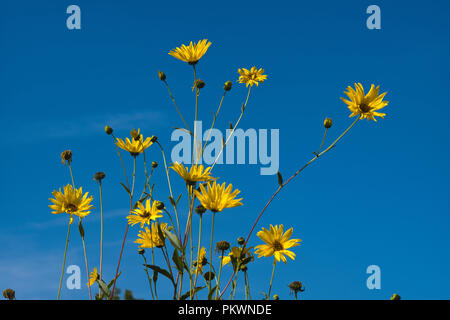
(176, 107)
(214, 121)
(121, 160)
(332, 145)
(126, 230)
(211, 249)
(220, 273)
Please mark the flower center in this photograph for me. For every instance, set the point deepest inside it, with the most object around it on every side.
(277, 246)
(145, 214)
(71, 208)
(364, 107)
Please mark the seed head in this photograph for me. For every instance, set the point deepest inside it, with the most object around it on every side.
(9, 294)
(240, 241)
(209, 276)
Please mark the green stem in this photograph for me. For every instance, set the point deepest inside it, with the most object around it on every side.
(234, 128)
(148, 277)
(173, 99)
(64, 260)
(121, 161)
(271, 279)
(198, 249)
(101, 231)
(211, 249)
(214, 121)
(220, 273)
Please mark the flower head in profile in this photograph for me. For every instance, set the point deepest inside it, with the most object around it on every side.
(201, 261)
(71, 201)
(238, 256)
(365, 105)
(216, 197)
(144, 214)
(191, 53)
(195, 174)
(154, 236)
(93, 276)
(277, 243)
(252, 76)
(136, 145)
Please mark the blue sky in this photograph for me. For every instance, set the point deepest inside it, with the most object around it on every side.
(380, 197)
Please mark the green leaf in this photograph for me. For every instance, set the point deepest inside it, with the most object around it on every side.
(103, 287)
(126, 188)
(280, 179)
(172, 201)
(173, 239)
(178, 200)
(178, 262)
(188, 294)
(183, 129)
(157, 269)
(81, 229)
(210, 294)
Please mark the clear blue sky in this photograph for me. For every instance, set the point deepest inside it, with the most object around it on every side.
(380, 197)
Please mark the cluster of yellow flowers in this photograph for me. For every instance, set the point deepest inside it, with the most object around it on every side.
(201, 186)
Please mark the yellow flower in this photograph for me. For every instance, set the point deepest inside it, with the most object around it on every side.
(277, 243)
(94, 276)
(217, 198)
(192, 53)
(240, 256)
(365, 106)
(71, 201)
(136, 145)
(150, 238)
(145, 214)
(252, 76)
(195, 174)
(201, 261)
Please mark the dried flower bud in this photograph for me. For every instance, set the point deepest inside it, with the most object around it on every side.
(9, 294)
(296, 286)
(159, 205)
(240, 241)
(327, 123)
(99, 176)
(222, 246)
(209, 276)
(66, 157)
(227, 86)
(200, 209)
(161, 75)
(199, 84)
(154, 164)
(134, 134)
(141, 251)
(108, 130)
(395, 297)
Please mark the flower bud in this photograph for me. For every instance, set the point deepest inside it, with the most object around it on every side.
(276, 297)
(199, 84)
(209, 276)
(159, 205)
(66, 156)
(327, 123)
(108, 130)
(161, 75)
(395, 297)
(227, 86)
(99, 176)
(153, 138)
(9, 294)
(222, 246)
(154, 164)
(141, 251)
(134, 134)
(243, 267)
(240, 241)
(200, 209)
